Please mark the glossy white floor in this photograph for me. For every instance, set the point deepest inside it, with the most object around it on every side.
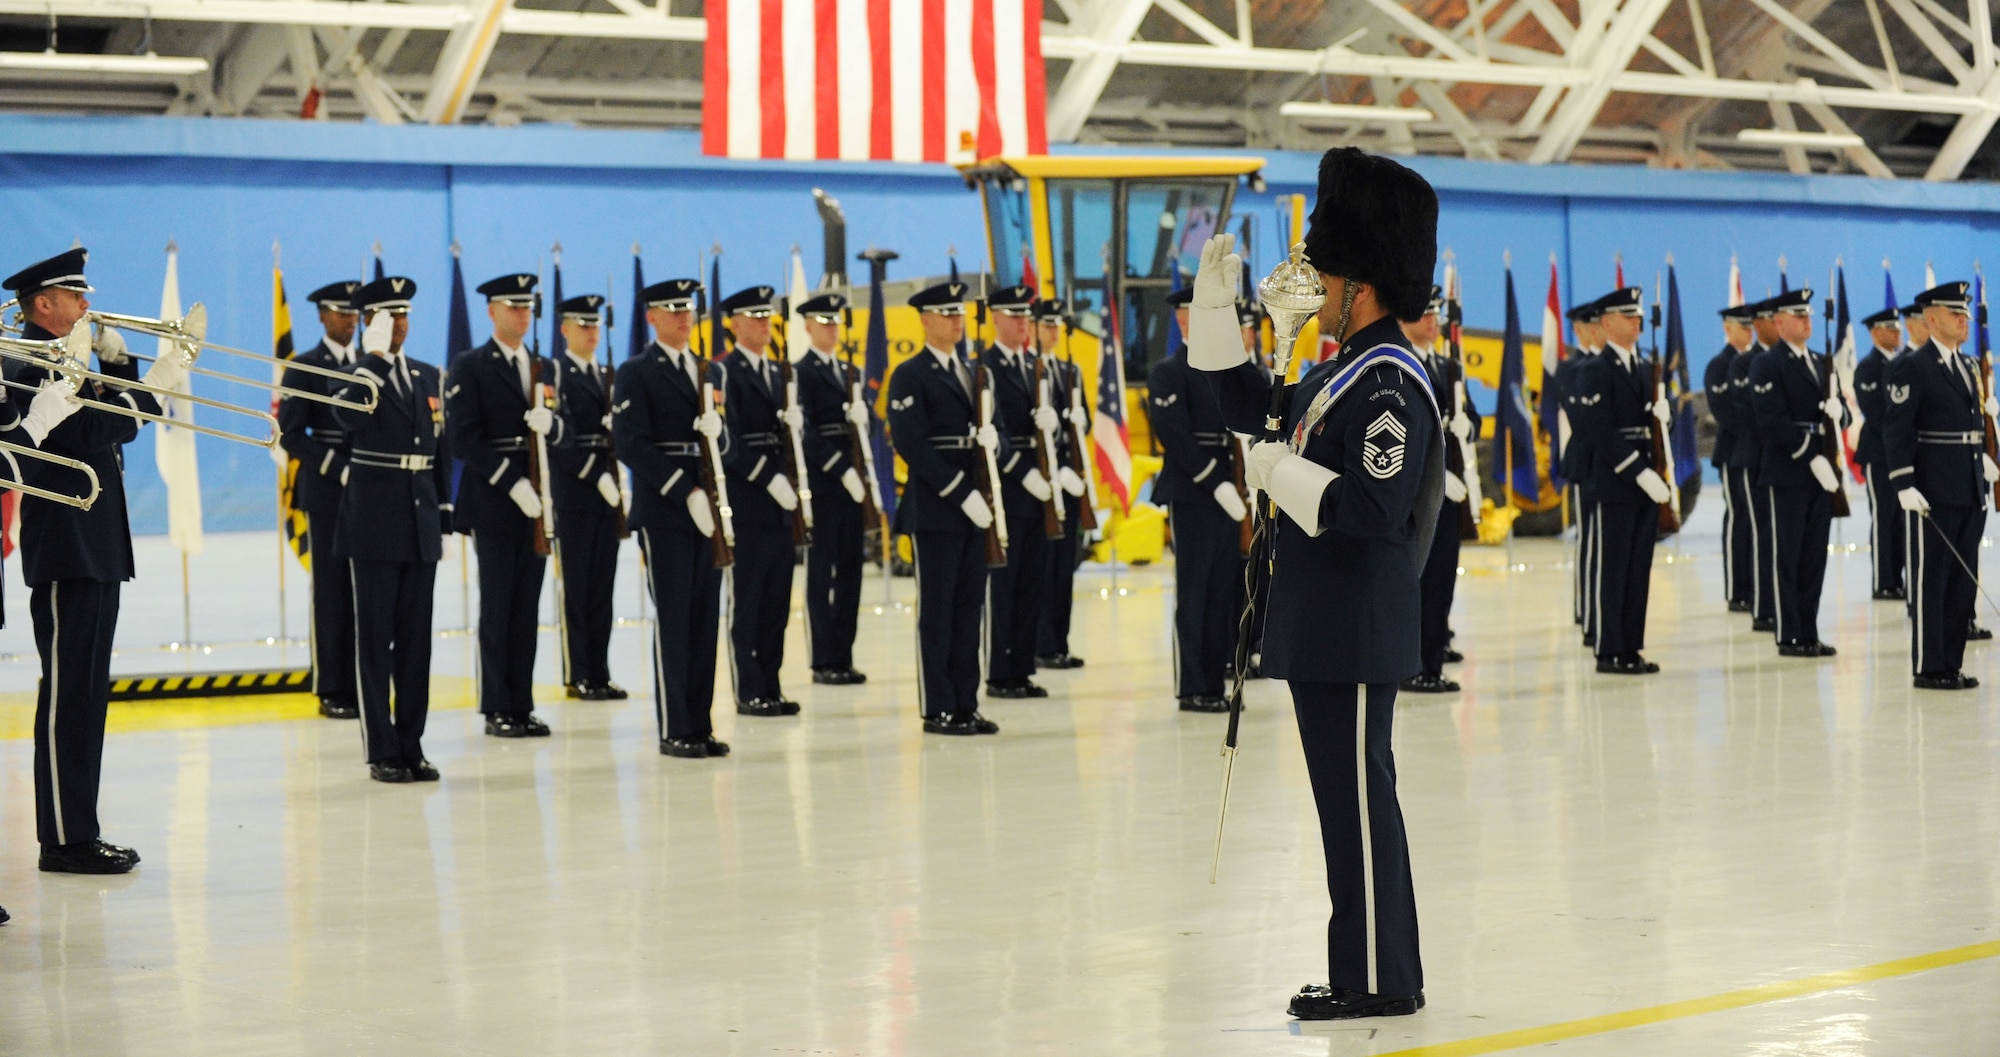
(1586, 847)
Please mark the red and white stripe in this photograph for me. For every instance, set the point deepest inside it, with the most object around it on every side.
(874, 80)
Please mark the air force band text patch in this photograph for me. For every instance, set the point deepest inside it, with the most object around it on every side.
(1382, 447)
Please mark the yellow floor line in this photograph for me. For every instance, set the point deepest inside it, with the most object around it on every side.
(1749, 996)
(17, 709)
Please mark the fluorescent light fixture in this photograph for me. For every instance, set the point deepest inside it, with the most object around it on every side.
(1778, 137)
(149, 65)
(1353, 112)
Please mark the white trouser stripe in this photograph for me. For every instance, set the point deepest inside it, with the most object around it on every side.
(1874, 513)
(1914, 574)
(916, 561)
(360, 688)
(1728, 527)
(1173, 615)
(1597, 579)
(1367, 836)
(562, 609)
(478, 684)
(55, 705)
(729, 627)
(1756, 552)
(1778, 608)
(659, 670)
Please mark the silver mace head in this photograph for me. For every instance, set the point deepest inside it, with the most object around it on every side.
(1291, 294)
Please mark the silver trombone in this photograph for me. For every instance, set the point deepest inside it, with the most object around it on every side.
(64, 356)
(81, 502)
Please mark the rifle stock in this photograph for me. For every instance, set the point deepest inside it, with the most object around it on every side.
(793, 452)
(610, 400)
(538, 459)
(1986, 393)
(722, 541)
(1045, 457)
(989, 475)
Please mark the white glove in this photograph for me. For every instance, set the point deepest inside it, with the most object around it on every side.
(607, 486)
(1913, 501)
(708, 424)
(988, 437)
(1987, 467)
(1230, 501)
(976, 510)
(1823, 470)
(1214, 339)
(704, 521)
(1036, 484)
(1046, 420)
(109, 345)
(1993, 407)
(167, 372)
(1454, 488)
(1461, 426)
(1833, 408)
(540, 420)
(1077, 418)
(1264, 456)
(1069, 480)
(1663, 410)
(793, 417)
(54, 401)
(852, 482)
(781, 490)
(857, 413)
(1650, 483)
(523, 495)
(376, 339)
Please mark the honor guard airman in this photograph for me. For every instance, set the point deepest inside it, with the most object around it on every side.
(1726, 406)
(590, 503)
(934, 424)
(1440, 579)
(1586, 326)
(1748, 454)
(74, 561)
(1885, 517)
(495, 430)
(1788, 386)
(1014, 593)
(1914, 322)
(766, 500)
(309, 433)
(1206, 511)
(1612, 410)
(662, 421)
(1357, 480)
(834, 562)
(27, 423)
(1933, 432)
(1072, 406)
(393, 514)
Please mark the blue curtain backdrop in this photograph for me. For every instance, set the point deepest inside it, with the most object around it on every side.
(226, 189)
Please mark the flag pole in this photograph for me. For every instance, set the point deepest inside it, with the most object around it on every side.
(187, 607)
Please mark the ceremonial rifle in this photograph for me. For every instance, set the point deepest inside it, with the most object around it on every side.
(860, 451)
(989, 474)
(792, 455)
(542, 394)
(1663, 449)
(1045, 456)
(610, 401)
(715, 482)
(1467, 449)
(1986, 391)
(1830, 442)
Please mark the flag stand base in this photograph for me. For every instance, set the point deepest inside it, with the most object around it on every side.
(210, 684)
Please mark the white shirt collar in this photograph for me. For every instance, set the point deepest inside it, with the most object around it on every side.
(824, 355)
(1945, 351)
(1625, 356)
(949, 359)
(581, 363)
(513, 352)
(755, 357)
(343, 353)
(1887, 353)
(1799, 349)
(1012, 354)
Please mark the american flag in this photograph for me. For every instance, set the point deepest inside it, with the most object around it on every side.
(1555, 424)
(1110, 438)
(880, 80)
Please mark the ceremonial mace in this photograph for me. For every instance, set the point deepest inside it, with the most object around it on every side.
(1291, 294)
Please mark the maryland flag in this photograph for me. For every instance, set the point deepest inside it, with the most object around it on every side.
(293, 522)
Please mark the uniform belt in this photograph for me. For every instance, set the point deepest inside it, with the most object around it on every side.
(678, 447)
(382, 460)
(331, 436)
(1021, 442)
(1815, 427)
(838, 429)
(510, 444)
(760, 440)
(1212, 440)
(1636, 432)
(595, 440)
(951, 443)
(1937, 436)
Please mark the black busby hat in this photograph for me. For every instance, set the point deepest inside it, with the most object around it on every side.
(823, 308)
(1051, 310)
(1180, 298)
(674, 295)
(63, 270)
(946, 299)
(1375, 222)
(1792, 302)
(1014, 300)
(337, 296)
(517, 289)
(1956, 295)
(1587, 312)
(584, 308)
(391, 293)
(1742, 313)
(1888, 317)
(750, 301)
(1628, 301)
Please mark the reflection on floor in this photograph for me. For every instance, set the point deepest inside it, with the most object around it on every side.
(1585, 846)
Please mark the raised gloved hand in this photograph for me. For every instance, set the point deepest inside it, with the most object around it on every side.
(1650, 483)
(698, 512)
(1214, 339)
(988, 437)
(857, 413)
(376, 340)
(781, 490)
(1832, 408)
(523, 495)
(109, 345)
(1046, 420)
(1070, 481)
(708, 424)
(852, 482)
(976, 510)
(167, 372)
(1461, 426)
(1036, 484)
(1230, 501)
(1264, 455)
(540, 420)
(1663, 410)
(1822, 471)
(793, 417)
(1454, 488)
(607, 486)
(1987, 468)
(54, 401)
(1913, 501)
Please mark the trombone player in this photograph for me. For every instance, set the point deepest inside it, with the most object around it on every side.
(74, 561)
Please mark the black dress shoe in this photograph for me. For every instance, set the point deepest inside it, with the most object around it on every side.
(760, 706)
(610, 691)
(686, 748)
(1805, 649)
(1057, 660)
(1945, 681)
(395, 772)
(1740, 606)
(1589, 641)
(90, 856)
(1893, 593)
(577, 691)
(1204, 703)
(421, 770)
(1332, 1003)
(838, 677)
(1015, 689)
(949, 723)
(716, 748)
(787, 707)
(1452, 656)
(506, 725)
(1630, 664)
(3, 915)
(334, 708)
(1428, 683)
(1763, 624)
(980, 724)
(1978, 634)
